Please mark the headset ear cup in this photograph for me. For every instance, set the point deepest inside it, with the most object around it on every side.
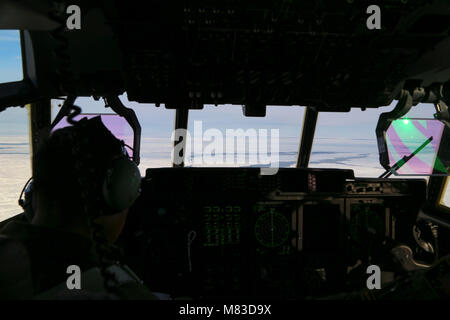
(28, 212)
(122, 184)
(27, 202)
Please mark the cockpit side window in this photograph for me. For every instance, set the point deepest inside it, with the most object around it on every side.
(11, 69)
(15, 164)
(348, 140)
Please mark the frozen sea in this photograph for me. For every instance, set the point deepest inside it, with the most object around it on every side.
(358, 154)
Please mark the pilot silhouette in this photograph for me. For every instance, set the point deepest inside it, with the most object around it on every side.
(82, 189)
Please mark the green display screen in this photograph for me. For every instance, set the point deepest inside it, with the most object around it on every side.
(222, 225)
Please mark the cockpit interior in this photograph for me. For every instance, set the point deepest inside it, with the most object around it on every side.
(215, 232)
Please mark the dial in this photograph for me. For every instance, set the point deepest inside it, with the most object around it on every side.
(272, 229)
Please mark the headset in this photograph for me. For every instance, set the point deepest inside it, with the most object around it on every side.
(25, 199)
(120, 188)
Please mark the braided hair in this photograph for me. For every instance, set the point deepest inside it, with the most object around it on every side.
(73, 164)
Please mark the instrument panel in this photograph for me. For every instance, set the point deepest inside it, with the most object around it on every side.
(230, 232)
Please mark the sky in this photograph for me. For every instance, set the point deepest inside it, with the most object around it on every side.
(10, 56)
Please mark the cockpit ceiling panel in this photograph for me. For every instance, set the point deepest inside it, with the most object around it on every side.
(318, 53)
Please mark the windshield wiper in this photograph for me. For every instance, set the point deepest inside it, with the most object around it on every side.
(404, 160)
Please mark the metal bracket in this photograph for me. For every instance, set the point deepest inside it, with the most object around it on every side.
(434, 94)
(403, 106)
(65, 110)
(129, 115)
(307, 137)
